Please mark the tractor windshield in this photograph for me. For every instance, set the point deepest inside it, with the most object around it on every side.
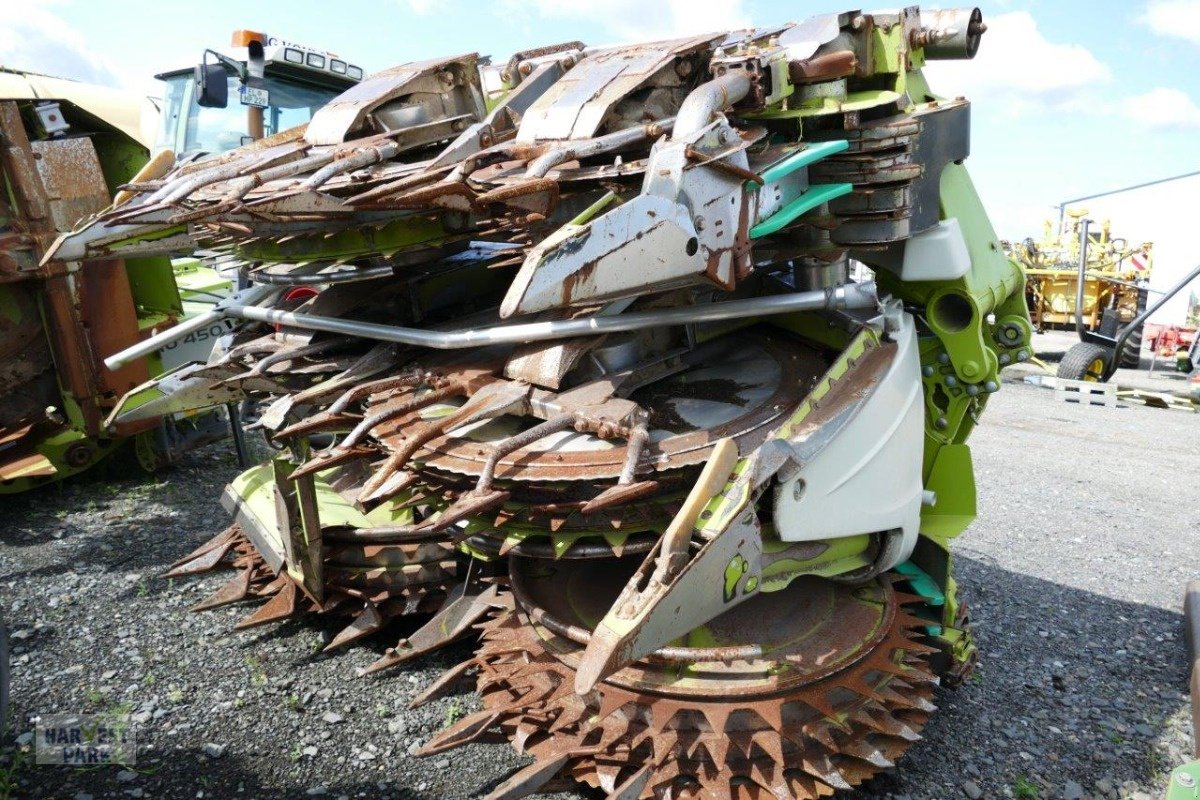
(186, 127)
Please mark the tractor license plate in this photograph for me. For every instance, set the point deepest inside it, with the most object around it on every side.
(250, 96)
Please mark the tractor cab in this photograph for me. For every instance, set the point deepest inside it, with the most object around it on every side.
(261, 86)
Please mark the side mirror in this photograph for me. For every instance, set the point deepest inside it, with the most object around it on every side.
(213, 83)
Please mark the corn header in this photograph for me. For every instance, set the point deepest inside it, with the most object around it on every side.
(566, 350)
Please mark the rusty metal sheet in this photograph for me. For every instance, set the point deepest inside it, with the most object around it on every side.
(546, 364)
(34, 465)
(331, 124)
(22, 171)
(74, 184)
(27, 380)
(575, 106)
(309, 571)
(107, 310)
(72, 351)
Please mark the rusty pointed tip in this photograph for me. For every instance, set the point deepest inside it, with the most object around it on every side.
(430, 748)
(444, 685)
(284, 604)
(313, 465)
(591, 671)
(180, 571)
(339, 641)
(394, 656)
(606, 653)
(466, 506)
(237, 589)
(210, 603)
(207, 556)
(386, 662)
(619, 495)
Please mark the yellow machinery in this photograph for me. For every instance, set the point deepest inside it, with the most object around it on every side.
(1117, 275)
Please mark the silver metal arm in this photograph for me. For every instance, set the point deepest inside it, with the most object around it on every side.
(160, 340)
(1079, 281)
(707, 100)
(850, 296)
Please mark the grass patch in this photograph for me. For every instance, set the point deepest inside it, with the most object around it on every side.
(11, 770)
(258, 675)
(1026, 789)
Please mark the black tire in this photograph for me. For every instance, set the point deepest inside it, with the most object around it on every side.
(1131, 353)
(1085, 362)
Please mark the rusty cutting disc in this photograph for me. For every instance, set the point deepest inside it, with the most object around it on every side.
(843, 687)
(740, 386)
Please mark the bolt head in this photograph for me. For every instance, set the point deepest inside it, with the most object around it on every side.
(1184, 779)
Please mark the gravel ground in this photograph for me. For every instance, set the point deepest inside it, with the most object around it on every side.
(1074, 572)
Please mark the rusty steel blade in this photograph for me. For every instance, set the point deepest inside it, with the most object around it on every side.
(238, 588)
(284, 604)
(650, 610)
(619, 495)
(460, 612)
(633, 786)
(529, 778)
(206, 557)
(466, 730)
(333, 458)
(444, 684)
(468, 505)
(366, 622)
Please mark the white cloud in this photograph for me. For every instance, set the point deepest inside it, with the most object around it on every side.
(1163, 108)
(1019, 68)
(34, 38)
(1175, 19)
(422, 7)
(643, 20)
